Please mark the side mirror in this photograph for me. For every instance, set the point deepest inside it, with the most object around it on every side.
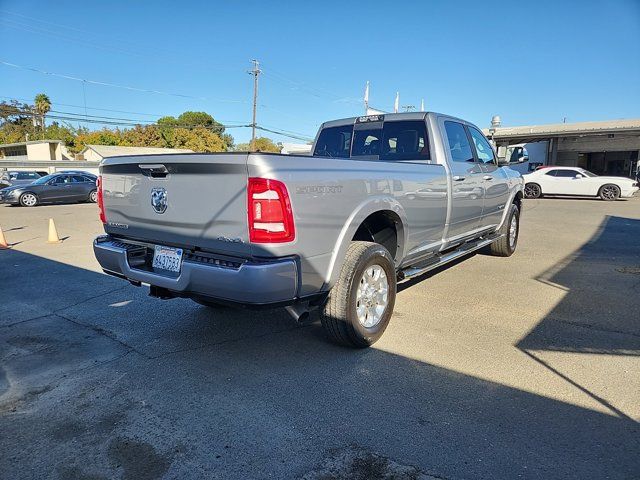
(524, 158)
(579, 175)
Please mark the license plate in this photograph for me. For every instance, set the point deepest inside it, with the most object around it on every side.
(167, 258)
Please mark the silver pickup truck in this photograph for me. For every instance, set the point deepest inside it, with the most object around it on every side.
(382, 199)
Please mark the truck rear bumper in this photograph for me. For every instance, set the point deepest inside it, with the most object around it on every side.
(244, 282)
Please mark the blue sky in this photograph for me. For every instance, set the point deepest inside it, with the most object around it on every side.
(531, 62)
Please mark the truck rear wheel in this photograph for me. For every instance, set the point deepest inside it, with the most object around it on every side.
(360, 304)
(506, 245)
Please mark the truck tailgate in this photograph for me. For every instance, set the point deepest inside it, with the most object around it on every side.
(192, 200)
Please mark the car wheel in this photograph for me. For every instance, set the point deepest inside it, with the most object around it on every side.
(609, 192)
(359, 306)
(532, 190)
(28, 199)
(510, 230)
(93, 196)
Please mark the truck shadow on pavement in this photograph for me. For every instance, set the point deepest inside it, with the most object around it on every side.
(600, 313)
(601, 282)
(99, 381)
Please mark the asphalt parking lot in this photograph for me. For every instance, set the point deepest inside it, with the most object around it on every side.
(524, 367)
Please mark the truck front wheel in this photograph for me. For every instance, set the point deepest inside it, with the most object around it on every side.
(360, 304)
(510, 230)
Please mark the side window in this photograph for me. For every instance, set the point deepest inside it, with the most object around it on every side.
(566, 173)
(551, 173)
(334, 142)
(406, 140)
(483, 147)
(458, 142)
(61, 180)
(78, 179)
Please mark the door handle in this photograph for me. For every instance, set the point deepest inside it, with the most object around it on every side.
(458, 178)
(488, 177)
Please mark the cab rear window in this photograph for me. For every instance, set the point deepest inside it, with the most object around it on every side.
(390, 141)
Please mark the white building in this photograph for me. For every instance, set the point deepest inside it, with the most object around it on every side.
(296, 148)
(35, 150)
(610, 147)
(95, 153)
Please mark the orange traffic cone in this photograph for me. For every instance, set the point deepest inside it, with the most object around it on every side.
(3, 241)
(53, 233)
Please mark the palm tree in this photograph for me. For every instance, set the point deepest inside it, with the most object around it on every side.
(43, 105)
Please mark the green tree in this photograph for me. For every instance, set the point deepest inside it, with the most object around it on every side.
(144, 136)
(197, 139)
(263, 144)
(97, 137)
(191, 120)
(16, 121)
(64, 132)
(42, 107)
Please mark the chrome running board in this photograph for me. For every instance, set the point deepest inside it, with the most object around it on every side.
(442, 259)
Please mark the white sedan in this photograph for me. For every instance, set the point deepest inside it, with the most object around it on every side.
(576, 181)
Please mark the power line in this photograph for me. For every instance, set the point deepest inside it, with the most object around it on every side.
(314, 91)
(85, 39)
(75, 117)
(157, 115)
(88, 108)
(114, 85)
(120, 123)
(297, 137)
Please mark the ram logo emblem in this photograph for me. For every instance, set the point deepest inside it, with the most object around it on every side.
(159, 200)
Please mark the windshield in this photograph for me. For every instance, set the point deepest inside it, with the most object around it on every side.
(587, 173)
(43, 180)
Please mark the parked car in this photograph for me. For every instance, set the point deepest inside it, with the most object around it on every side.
(335, 230)
(577, 182)
(58, 187)
(17, 177)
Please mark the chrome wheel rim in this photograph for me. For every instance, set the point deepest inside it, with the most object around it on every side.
(609, 192)
(513, 231)
(372, 296)
(93, 196)
(29, 199)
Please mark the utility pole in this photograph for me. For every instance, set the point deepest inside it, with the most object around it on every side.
(255, 71)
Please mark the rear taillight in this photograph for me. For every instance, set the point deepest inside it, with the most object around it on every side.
(269, 212)
(100, 200)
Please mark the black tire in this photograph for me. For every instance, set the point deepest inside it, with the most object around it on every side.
(93, 196)
(339, 314)
(28, 199)
(609, 192)
(506, 245)
(532, 190)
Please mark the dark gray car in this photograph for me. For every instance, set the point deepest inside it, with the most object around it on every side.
(17, 177)
(58, 187)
